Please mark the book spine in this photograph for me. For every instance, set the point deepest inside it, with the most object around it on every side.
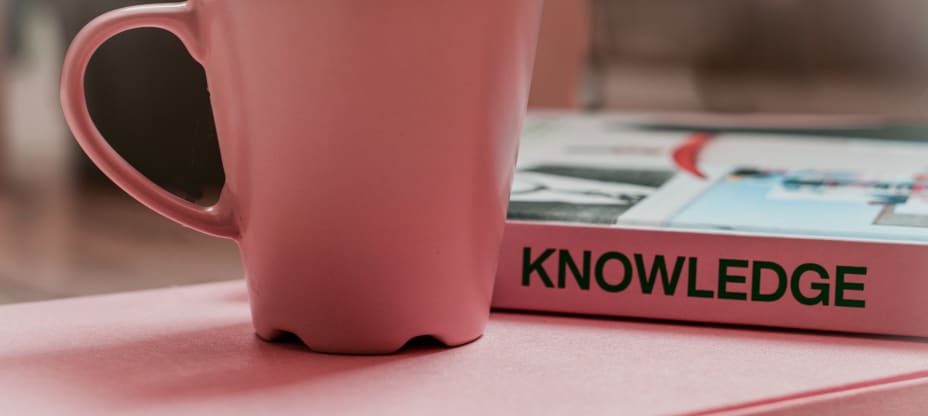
(833, 285)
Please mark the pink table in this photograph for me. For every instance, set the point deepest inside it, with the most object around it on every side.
(191, 350)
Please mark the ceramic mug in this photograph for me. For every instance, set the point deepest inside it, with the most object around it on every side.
(368, 147)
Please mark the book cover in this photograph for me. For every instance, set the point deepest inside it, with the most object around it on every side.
(611, 218)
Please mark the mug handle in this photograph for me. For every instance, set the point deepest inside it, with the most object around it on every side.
(179, 19)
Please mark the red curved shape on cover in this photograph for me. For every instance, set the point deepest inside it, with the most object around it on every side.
(686, 156)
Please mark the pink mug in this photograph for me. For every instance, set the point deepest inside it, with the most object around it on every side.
(368, 145)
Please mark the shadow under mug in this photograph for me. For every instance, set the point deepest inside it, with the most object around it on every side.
(368, 147)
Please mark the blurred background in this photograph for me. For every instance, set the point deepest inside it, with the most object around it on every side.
(767, 64)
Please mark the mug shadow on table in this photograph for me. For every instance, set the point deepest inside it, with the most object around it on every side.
(214, 362)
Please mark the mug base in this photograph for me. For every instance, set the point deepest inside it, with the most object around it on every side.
(368, 346)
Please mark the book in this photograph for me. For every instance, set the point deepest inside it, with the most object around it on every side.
(615, 218)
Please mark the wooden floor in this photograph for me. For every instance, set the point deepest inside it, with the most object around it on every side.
(100, 242)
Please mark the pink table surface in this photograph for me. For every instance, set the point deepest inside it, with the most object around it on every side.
(191, 350)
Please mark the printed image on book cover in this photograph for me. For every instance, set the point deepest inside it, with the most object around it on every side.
(604, 170)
